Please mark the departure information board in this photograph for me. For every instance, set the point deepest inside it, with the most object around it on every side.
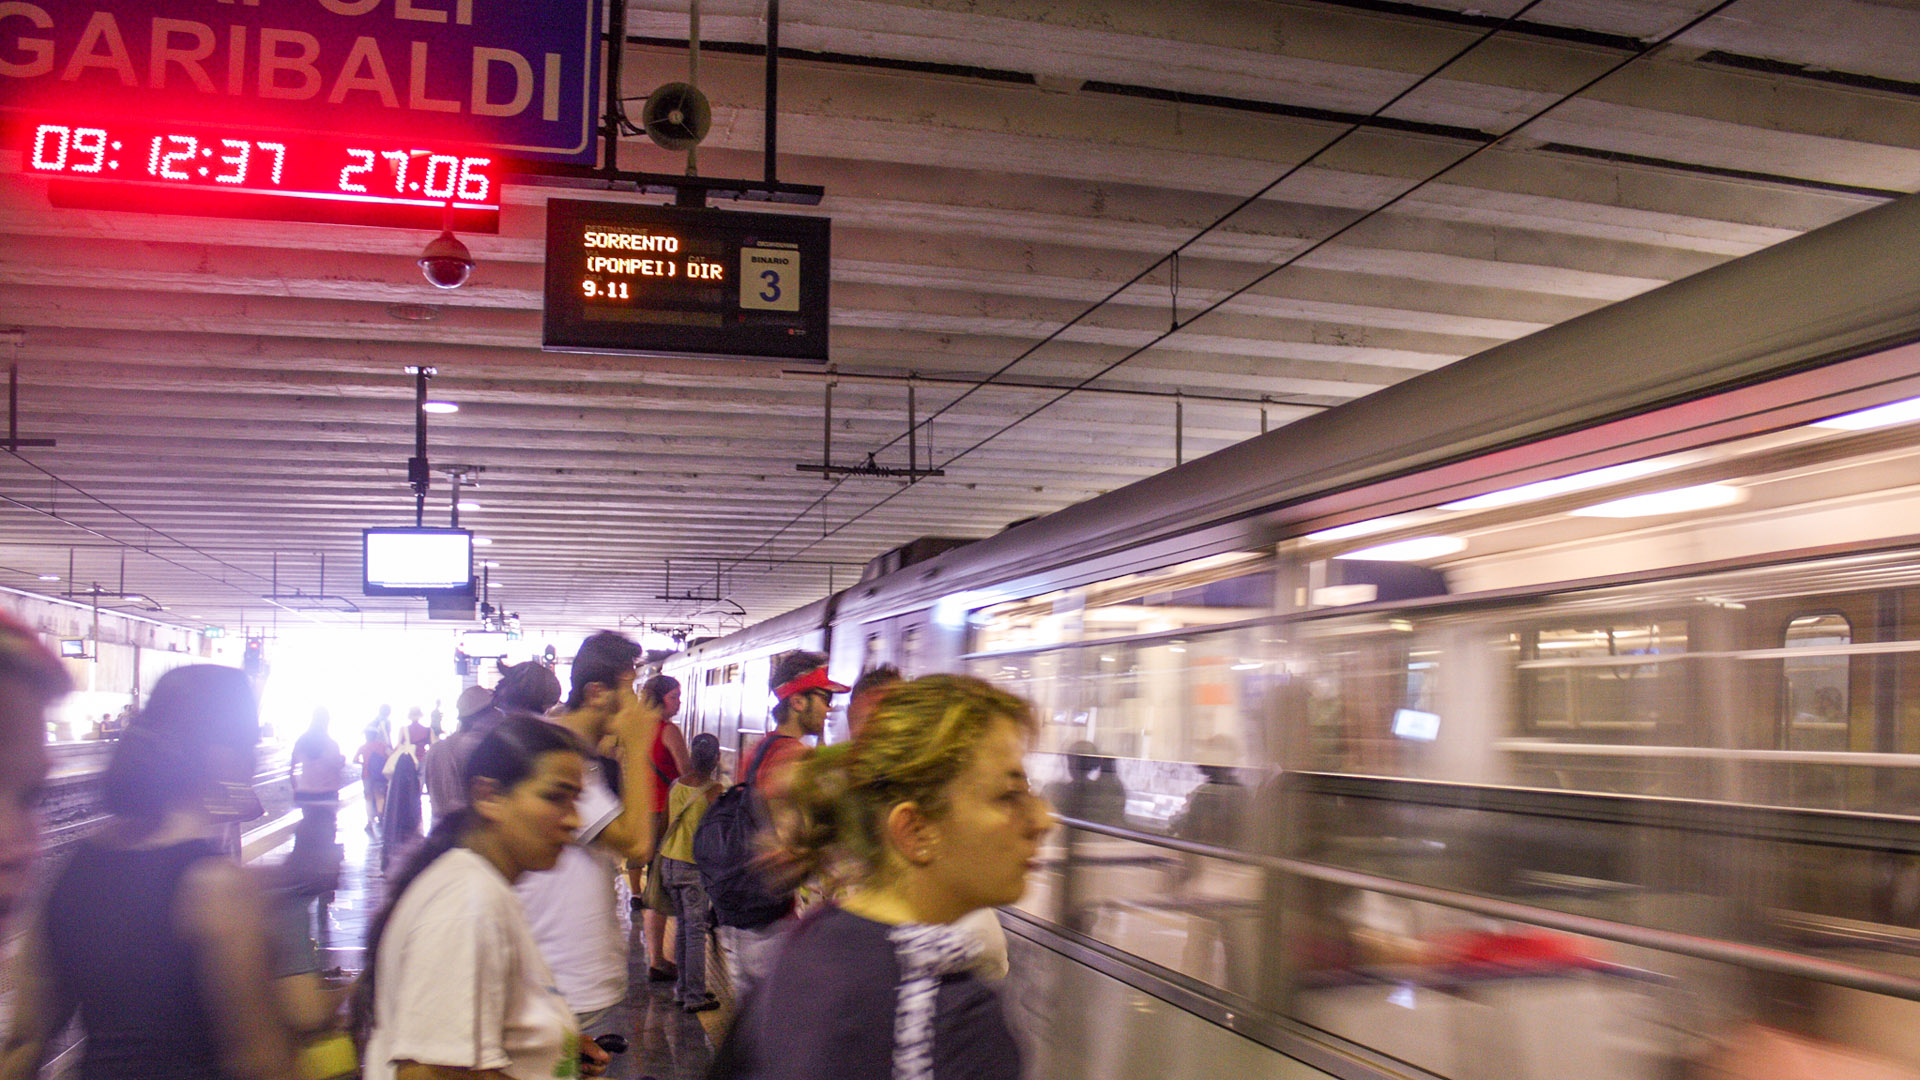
(680, 281)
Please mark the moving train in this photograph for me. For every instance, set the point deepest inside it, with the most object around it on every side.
(1553, 714)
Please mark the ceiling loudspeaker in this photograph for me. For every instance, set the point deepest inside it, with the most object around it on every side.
(676, 116)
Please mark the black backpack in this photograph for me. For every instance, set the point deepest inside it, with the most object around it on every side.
(725, 847)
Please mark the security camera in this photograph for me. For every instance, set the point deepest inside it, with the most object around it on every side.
(446, 262)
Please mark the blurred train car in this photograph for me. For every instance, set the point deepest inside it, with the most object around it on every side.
(1554, 714)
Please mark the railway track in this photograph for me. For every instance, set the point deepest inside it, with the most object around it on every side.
(70, 808)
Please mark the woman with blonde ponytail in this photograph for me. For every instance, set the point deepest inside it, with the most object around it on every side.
(925, 817)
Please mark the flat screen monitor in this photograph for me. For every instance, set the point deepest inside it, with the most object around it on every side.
(74, 649)
(1416, 725)
(484, 644)
(418, 561)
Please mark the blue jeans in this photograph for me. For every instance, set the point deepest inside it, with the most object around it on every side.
(693, 915)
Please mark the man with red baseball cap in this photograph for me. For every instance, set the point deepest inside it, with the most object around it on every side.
(802, 695)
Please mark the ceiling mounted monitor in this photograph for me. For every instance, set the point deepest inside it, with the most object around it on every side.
(486, 644)
(418, 561)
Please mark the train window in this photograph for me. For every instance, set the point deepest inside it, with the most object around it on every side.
(1052, 619)
(1224, 588)
(1817, 696)
(1619, 682)
(910, 645)
(1194, 595)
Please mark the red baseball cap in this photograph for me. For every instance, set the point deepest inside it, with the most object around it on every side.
(812, 680)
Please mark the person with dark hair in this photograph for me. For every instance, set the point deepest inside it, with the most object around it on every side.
(689, 798)
(155, 938)
(574, 908)
(454, 985)
(802, 695)
(1092, 790)
(926, 817)
(668, 759)
(446, 760)
(868, 689)
(31, 680)
(528, 689)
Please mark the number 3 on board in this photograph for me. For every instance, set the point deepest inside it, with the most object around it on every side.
(769, 279)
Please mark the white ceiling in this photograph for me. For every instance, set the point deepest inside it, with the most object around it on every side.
(225, 393)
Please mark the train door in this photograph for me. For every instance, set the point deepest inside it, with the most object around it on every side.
(1825, 697)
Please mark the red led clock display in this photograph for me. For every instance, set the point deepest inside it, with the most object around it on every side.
(193, 169)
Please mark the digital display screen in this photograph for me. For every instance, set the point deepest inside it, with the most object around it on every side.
(73, 649)
(216, 171)
(485, 644)
(418, 562)
(679, 281)
(1416, 725)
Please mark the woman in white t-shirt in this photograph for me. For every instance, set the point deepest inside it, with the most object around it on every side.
(454, 986)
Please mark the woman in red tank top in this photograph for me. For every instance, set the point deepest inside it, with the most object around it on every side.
(668, 758)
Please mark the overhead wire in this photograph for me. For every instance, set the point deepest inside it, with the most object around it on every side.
(1291, 260)
(146, 550)
(1054, 334)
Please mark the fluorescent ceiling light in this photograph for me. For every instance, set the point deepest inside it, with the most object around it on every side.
(481, 541)
(1562, 485)
(441, 407)
(49, 577)
(1418, 549)
(469, 504)
(1899, 412)
(1677, 501)
(1361, 528)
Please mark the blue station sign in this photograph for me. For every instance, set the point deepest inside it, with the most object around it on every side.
(520, 77)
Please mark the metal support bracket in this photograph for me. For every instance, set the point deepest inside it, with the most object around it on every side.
(687, 190)
(310, 601)
(419, 474)
(14, 441)
(666, 592)
(871, 468)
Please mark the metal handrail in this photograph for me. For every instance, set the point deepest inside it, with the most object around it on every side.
(1854, 758)
(1754, 957)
